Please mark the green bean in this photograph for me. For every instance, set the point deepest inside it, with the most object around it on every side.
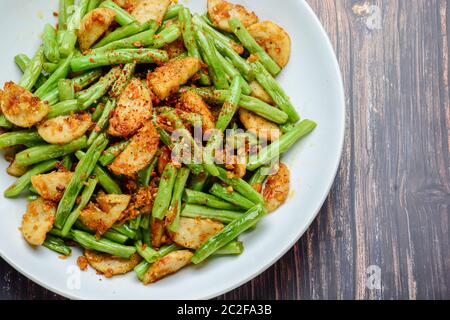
(119, 56)
(232, 197)
(33, 190)
(251, 45)
(103, 245)
(66, 90)
(145, 225)
(60, 73)
(173, 11)
(166, 36)
(215, 143)
(195, 211)
(121, 83)
(50, 44)
(145, 175)
(142, 268)
(285, 128)
(237, 139)
(69, 38)
(63, 108)
(260, 175)
(274, 89)
(67, 43)
(125, 230)
(79, 82)
(165, 137)
(141, 39)
(64, 14)
(150, 255)
(57, 245)
(135, 223)
(57, 233)
(175, 204)
(280, 146)
(230, 232)
(249, 103)
(102, 123)
(105, 180)
(204, 199)
(46, 152)
(214, 34)
(93, 4)
(233, 248)
(87, 78)
(124, 32)
(22, 61)
(67, 162)
(122, 17)
(190, 43)
(187, 31)
(110, 234)
(5, 123)
(240, 63)
(232, 73)
(33, 70)
(186, 138)
(15, 138)
(98, 90)
(32, 197)
(198, 182)
(86, 195)
(209, 54)
(98, 112)
(230, 105)
(112, 152)
(164, 195)
(115, 237)
(240, 186)
(50, 67)
(82, 172)
(24, 181)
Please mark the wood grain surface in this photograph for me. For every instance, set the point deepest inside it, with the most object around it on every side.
(388, 211)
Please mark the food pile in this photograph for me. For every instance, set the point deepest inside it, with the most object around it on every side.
(148, 135)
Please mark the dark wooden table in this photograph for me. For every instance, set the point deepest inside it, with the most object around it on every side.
(387, 217)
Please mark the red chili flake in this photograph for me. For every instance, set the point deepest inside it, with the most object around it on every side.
(91, 60)
(55, 14)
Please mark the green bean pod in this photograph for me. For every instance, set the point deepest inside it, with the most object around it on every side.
(164, 195)
(82, 172)
(86, 195)
(89, 241)
(195, 211)
(15, 138)
(230, 232)
(50, 44)
(175, 204)
(205, 199)
(24, 181)
(275, 149)
(122, 17)
(119, 56)
(33, 70)
(231, 197)
(47, 152)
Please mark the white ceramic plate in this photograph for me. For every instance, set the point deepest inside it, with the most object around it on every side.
(312, 79)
